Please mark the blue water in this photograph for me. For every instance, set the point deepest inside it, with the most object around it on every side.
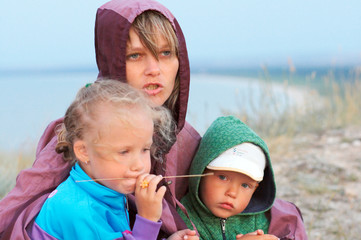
(29, 102)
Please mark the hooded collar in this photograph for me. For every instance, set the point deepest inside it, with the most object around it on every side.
(112, 24)
(111, 198)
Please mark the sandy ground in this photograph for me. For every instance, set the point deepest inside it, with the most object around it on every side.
(321, 174)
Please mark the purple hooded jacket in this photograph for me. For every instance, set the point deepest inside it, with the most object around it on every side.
(113, 20)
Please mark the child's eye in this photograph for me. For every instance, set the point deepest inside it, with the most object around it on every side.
(146, 149)
(123, 152)
(222, 177)
(245, 185)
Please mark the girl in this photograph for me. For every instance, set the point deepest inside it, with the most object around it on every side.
(108, 133)
(141, 43)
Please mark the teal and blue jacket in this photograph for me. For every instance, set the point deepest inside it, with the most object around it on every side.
(88, 210)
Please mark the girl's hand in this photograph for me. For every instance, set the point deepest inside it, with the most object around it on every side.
(256, 235)
(147, 198)
(185, 234)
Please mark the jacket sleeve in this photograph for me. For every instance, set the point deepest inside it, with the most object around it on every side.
(35, 232)
(286, 221)
(143, 229)
(33, 185)
(178, 162)
(179, 159)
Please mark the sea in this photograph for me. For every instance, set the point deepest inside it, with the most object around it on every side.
(30, 100)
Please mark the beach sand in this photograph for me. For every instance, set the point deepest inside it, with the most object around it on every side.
(321, 174)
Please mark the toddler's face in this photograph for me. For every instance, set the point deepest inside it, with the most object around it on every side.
(226, 193)
(122, 148)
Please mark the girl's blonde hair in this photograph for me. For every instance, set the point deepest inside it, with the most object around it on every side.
(83, 113)
(149, 26)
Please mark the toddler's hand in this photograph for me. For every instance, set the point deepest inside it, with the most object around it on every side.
(256, 235)
(185, 234)
(147, 198)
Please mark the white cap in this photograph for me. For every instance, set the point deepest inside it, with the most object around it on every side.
(245, 158)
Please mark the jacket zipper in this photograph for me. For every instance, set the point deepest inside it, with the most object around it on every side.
(223, 228)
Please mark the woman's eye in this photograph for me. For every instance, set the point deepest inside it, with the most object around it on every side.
(133, 56)
(166, 53)
(222, 177)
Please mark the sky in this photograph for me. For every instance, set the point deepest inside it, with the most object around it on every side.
(59, 34)
(43, 34)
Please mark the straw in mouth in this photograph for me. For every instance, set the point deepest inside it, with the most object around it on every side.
(111, 179)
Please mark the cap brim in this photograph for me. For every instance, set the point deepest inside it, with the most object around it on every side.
(237, 164)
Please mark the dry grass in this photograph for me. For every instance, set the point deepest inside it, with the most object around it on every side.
(11, 163)
(337, 107)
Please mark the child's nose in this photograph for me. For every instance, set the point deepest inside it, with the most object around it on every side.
(137, 164)
(232, 191)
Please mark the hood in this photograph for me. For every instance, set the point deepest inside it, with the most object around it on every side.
(224, 133)
(112, 24)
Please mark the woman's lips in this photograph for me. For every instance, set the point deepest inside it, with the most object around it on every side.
(152, 88)
(226, 205)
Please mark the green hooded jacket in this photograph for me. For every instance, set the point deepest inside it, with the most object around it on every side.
(225, 133)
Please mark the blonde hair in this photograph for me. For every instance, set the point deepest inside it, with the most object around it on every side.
(84, 111)
(149, 25)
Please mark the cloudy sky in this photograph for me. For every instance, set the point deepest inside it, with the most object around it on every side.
(44, 34)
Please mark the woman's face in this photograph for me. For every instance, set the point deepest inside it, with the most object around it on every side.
(143, 71)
